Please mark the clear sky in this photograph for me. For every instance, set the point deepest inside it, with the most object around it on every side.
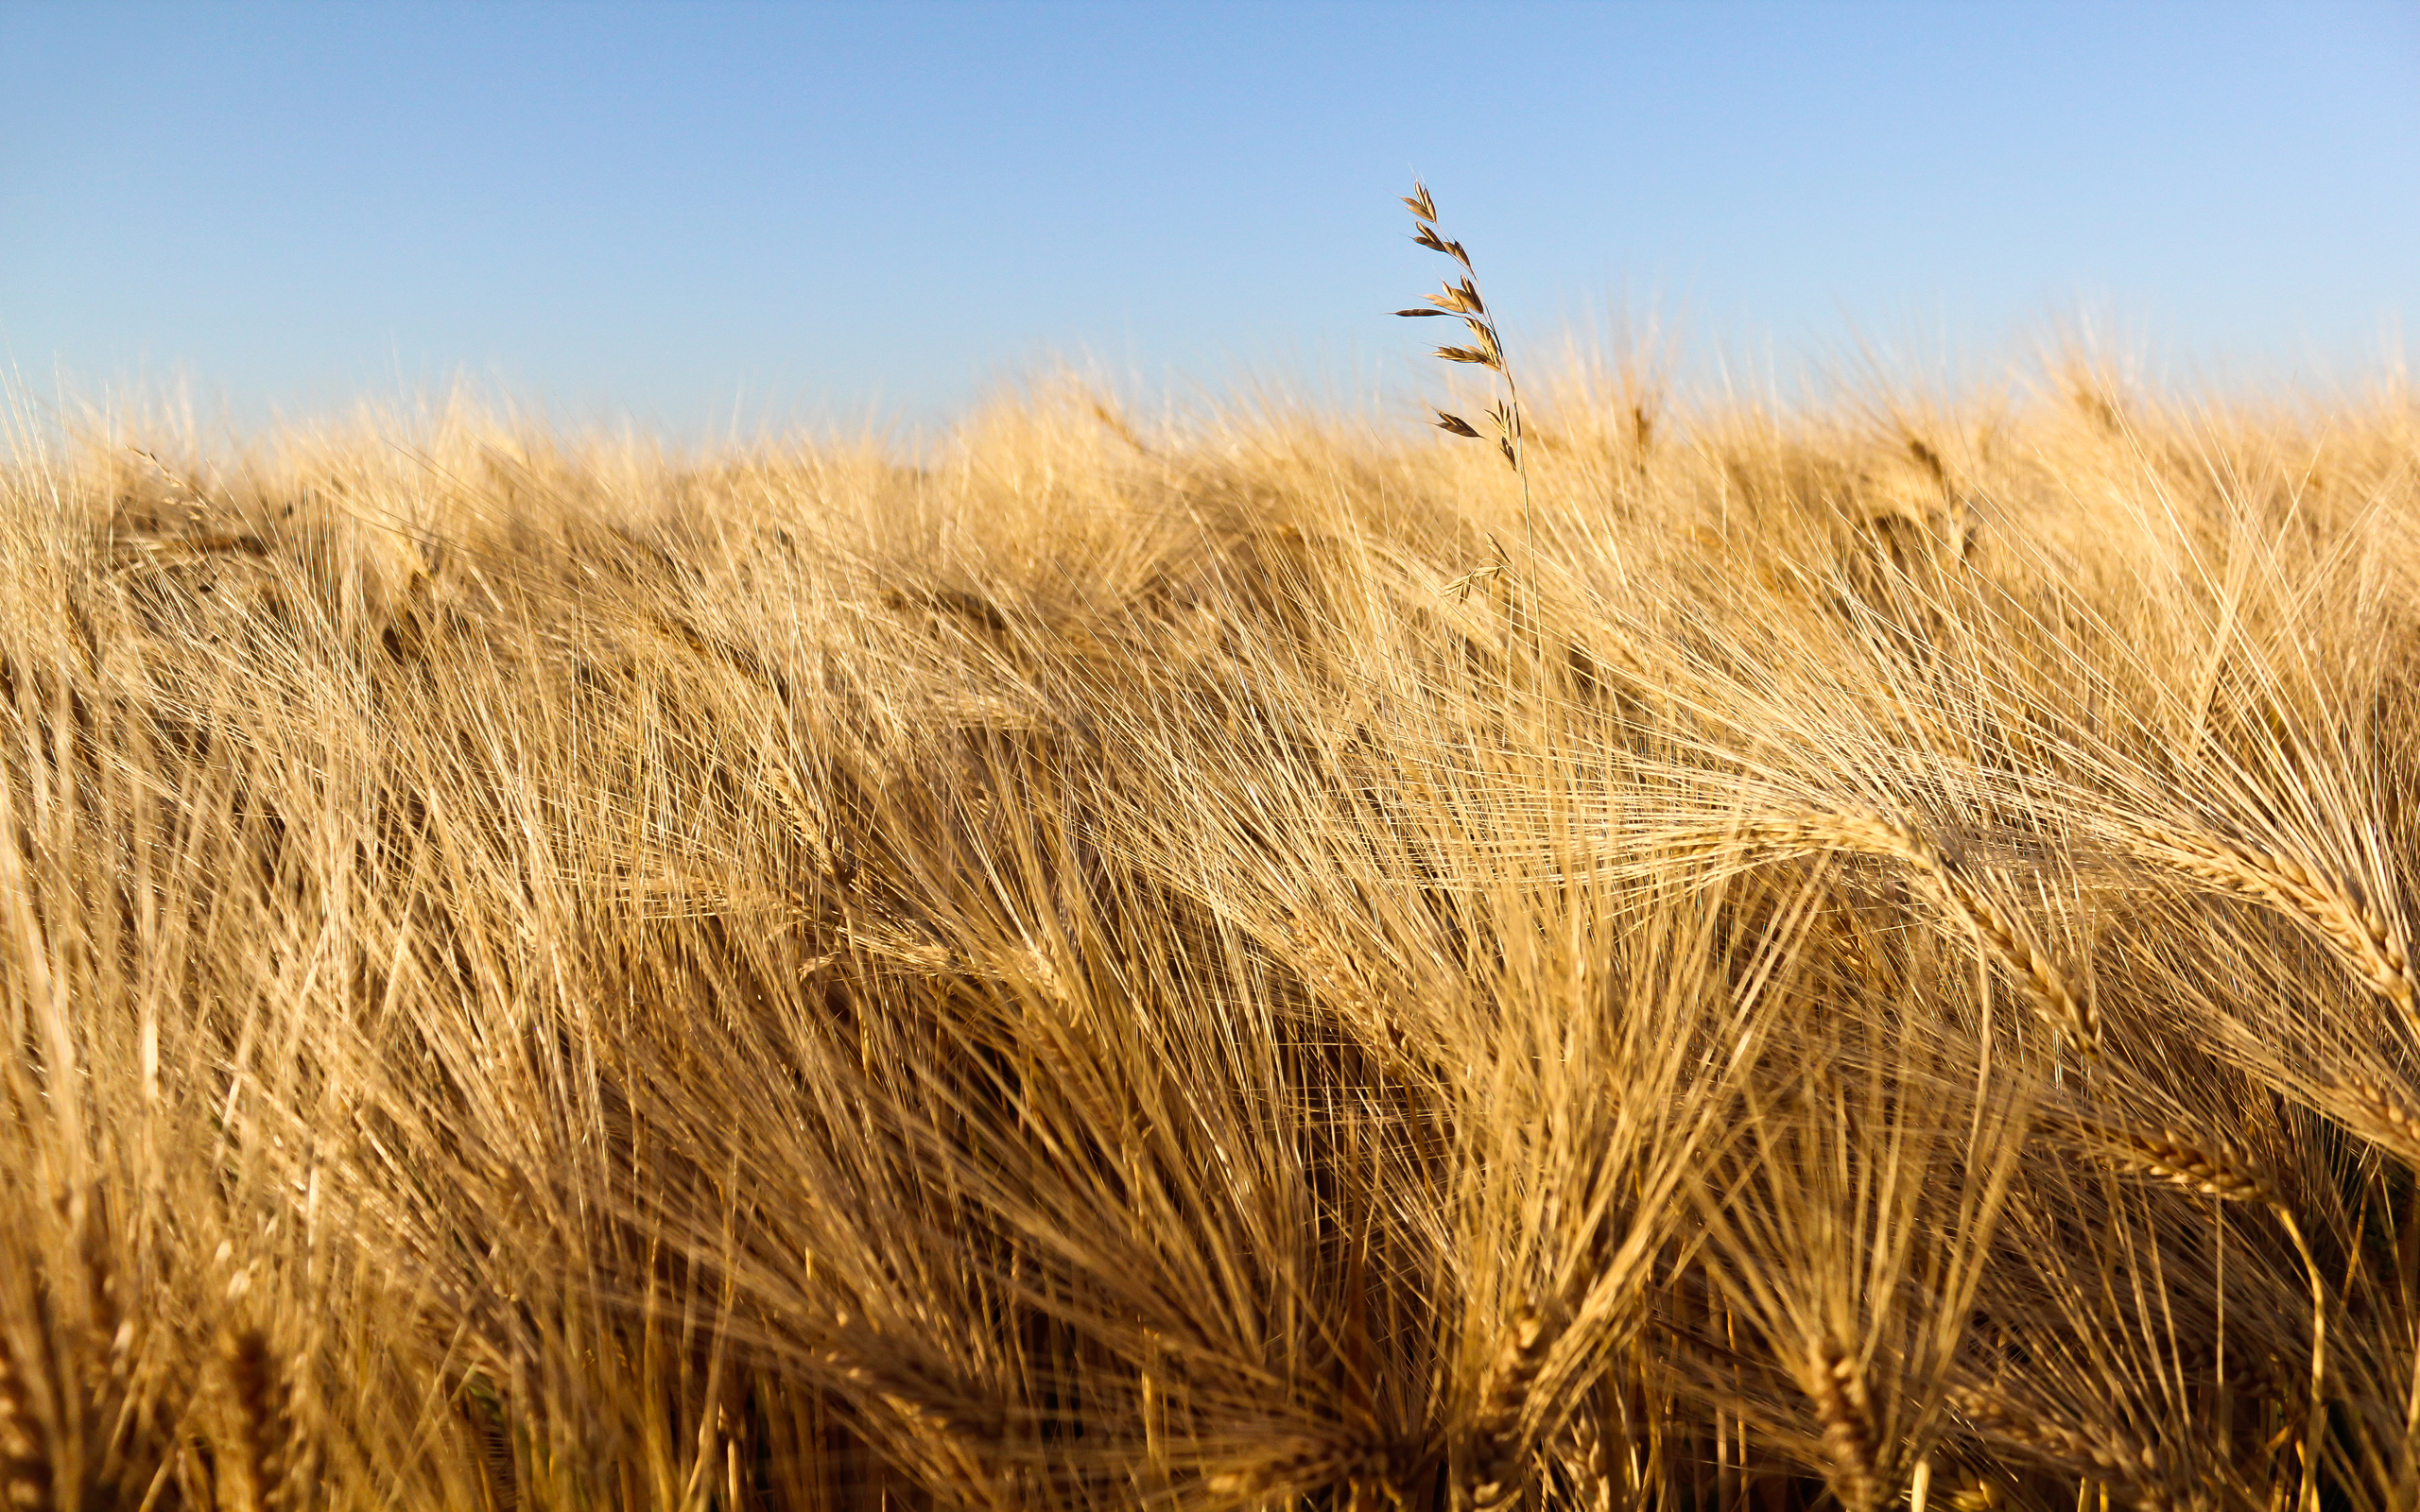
(687, 214)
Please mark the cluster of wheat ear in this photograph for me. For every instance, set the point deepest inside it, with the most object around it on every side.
(1868, 967)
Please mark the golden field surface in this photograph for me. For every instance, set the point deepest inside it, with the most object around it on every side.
(1846, 956)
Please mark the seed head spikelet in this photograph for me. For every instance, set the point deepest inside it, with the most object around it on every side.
(1462, 298)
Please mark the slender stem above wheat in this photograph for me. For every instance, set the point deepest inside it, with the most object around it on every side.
(1487, 351)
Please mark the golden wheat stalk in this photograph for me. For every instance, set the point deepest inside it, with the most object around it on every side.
(2356, 931)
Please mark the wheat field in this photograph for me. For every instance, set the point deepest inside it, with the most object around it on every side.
(1852, 955)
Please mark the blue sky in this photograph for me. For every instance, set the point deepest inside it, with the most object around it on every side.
(692, 215)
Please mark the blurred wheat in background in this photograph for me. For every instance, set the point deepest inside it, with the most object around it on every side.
(1155, 967)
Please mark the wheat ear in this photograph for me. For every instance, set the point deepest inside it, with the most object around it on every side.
(262, 1423)
(1592, 1457)
(1837, 1387)
(1997, 930)
(110, 1325)
(1976, 1493)
(2380, 1116)
(2210, 1167)
(2356, 931)
(1497, 1445)
(1308, 1465)
(2214, 1168)
(2135, 1467)
(1334, 985)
